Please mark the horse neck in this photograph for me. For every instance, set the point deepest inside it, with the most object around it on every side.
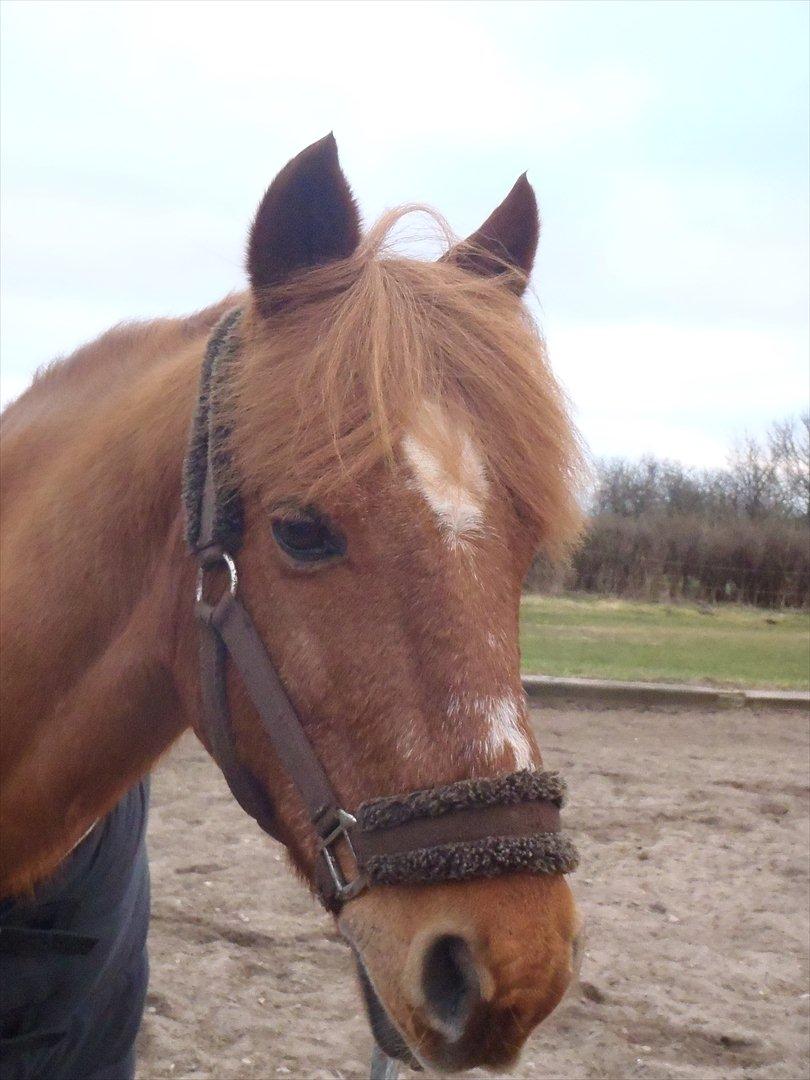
(92, 612)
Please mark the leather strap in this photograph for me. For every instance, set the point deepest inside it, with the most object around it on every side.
(216, 729)
(462, 826)
(278, 718)
(229, 631)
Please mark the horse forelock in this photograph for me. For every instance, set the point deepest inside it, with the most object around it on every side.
(365, 350)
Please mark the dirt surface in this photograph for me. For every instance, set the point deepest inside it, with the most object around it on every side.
(693, 830)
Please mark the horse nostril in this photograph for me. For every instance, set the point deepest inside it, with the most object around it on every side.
(450, 984)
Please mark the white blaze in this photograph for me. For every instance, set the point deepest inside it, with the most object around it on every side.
(457, 501)
(505, 715)
(502, 714)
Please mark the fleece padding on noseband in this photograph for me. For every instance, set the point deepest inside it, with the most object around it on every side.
(528, 842)
(205, 439)
(546, 853)
(517, 787)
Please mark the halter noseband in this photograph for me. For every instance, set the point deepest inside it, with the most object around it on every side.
(472, 828)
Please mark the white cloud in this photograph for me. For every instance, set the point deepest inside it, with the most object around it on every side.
(677, 391)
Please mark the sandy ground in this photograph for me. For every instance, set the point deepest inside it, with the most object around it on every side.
(693, 830)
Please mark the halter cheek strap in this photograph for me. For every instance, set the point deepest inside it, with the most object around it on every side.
(473, 828)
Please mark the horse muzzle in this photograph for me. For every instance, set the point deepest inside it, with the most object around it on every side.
(457, 975)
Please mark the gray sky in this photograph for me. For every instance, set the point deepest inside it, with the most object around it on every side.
(668, 144)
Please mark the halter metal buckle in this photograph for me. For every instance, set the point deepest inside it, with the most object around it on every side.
(344, 890)
(233, 577)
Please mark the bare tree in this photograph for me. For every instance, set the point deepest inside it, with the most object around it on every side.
(659, 528)
(789, 449)
(754, 481)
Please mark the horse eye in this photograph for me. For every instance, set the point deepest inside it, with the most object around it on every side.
(308, 539)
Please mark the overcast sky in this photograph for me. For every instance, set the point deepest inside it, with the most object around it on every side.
(668, 144)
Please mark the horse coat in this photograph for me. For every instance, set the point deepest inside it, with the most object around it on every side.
(74, 959)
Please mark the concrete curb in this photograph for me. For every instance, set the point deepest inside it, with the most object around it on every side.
(547, 688)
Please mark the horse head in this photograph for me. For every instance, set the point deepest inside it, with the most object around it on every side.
(402, 451)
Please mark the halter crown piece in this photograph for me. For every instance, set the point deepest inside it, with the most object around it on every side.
(472, 828)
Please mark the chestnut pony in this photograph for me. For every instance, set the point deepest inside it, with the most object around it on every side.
(402, 451)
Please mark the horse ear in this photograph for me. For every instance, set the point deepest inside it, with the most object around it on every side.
(506, 241)
(307, 217)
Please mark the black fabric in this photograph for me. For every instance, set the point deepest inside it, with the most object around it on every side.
(73, 958)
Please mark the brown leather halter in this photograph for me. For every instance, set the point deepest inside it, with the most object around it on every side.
(472, 828)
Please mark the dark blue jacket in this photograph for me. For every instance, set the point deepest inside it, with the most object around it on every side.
(73, 958)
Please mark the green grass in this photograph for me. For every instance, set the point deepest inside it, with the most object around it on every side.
(726, 645)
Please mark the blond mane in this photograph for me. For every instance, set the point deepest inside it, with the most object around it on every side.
(325, 391)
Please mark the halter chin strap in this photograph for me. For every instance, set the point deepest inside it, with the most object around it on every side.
(473, 828)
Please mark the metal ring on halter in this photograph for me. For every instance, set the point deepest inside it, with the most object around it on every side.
(233, 577)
